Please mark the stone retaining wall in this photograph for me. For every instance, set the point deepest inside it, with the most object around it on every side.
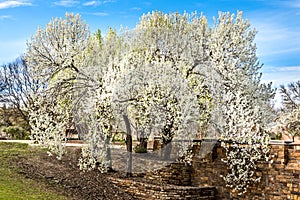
(150, 191)
(175, 173)
(280, 179)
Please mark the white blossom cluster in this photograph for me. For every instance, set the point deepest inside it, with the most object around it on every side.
(290, 121)
(94, 155)
(58, 46)
(245, 141)
(94, 118)
(48, 121)
(94, 114)
(138, 81)
(166, 100)
(241, 110)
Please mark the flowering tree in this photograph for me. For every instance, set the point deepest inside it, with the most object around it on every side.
(290, 122)
(241, 110)
(223, 60)
(55, 56)
(178, 40)
(57, 47)
(94, 112)
(172, 75)
(138, 83)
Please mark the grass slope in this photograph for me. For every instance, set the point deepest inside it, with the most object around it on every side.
(14, 185)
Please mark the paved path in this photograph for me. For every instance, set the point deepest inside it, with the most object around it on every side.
(30, 142)
(19, 141)
(68, 144)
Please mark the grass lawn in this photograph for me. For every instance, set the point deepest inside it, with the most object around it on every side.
(14, 185)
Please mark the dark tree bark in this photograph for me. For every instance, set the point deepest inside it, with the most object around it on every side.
(143, 142)
(167, 138)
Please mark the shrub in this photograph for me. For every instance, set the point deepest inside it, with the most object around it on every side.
(16, 132)
(118, 137)
(139, 149)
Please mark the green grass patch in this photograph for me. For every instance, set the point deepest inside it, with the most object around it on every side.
(14, 185)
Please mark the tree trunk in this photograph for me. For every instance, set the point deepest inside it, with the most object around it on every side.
(143, 143)
(128, 147)
(166, 150)
(108, 154)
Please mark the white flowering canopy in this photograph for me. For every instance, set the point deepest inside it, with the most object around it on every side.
(58, 46)
(241, 111)
(161, 91)
(172, 73)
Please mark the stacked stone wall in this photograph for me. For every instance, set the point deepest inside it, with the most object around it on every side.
(175, 174)
(279, 179)
(151, 191)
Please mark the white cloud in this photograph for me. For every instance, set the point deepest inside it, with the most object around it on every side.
(276, 38)
(66, 3)
(135, 8)
(281, 75)
(292, 4)
(290, 68)
(3, 17)
(97, 3)
(13, 4)
(108, 1)
(101, 14)
(93, 3)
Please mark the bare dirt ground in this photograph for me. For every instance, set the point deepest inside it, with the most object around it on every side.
(64, 176)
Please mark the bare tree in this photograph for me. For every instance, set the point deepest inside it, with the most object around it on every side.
(291, 95)
(17, 87)
(289, 118)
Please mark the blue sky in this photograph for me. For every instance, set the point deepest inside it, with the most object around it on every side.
(277, 23)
